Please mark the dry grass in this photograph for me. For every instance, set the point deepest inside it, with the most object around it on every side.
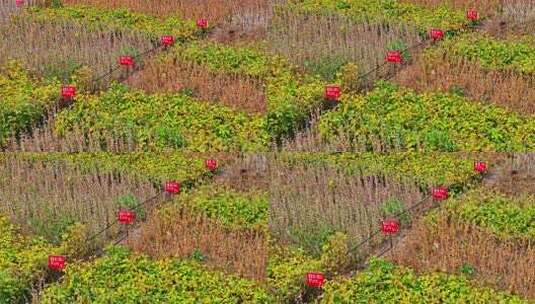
(58, 49)
(235, 19)
(516, 16)
(309, 39)
(43, 138)
(516, 176)
(245, 172)
(445, 73)
(248, 23)
(45, 197)
(310, 140)
(519, 11)
(450, 245)
(167, 75)
(309, 201)
(177, 232)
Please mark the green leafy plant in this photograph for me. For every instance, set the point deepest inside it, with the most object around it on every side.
(183, 30)
(156, 122)
(326, 67)
(390, 10)
(467, 269)
(231, 208)
(399, 118)
(395, 208)
(24, 100)
(503, 216)
(335, 256)
(198, 256)
(515, 53)
(123, 276)
(21, 263)
(384, 282)
(313, 237)
(401, 46)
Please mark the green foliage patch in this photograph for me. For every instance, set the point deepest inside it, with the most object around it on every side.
(156, 166)
(516, 53)
(390, 10)
(427, 169)
(230, 208)
(503, 216)
(384, 282)
(400, 118)
(123, 277)
(183, 30)
(22, 262)
(163, 121)
(23, 100)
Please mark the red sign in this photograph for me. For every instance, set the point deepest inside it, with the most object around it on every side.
(393, 56)
(440, 193)
(332, 92)
(168, 40)
(19, 3)
(56, 262)
(202, 23)
(480, 167)
(126, 60)
(472, 15)
(436, 34)
(172, 187)
(68, 92)
(390, 227)
(211, 164)
(126, 217)
(315, 279)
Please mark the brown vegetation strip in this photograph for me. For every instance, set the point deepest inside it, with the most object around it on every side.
(235, 91)
(40, 196)
(309, 39)
(178, 232)
(448, 245)
(516, 177)
(58, 49)
(505, 89)
(307, 199)
(245, 172)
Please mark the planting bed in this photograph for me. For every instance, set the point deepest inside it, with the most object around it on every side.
(296, 151)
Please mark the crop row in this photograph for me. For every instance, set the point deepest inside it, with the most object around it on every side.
(24, 101)
(483, 235)
(378, 10)
(393, 117)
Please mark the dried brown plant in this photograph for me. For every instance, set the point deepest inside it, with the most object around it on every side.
(245, 172)
(57, 49)
(180, 233)
(235, 91)
(509, 90)
(308, 38)
(308, 200)
(448, 245)
(44, 138)
(515, 176)
(40, 194)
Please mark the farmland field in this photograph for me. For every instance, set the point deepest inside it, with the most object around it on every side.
(267, 151)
